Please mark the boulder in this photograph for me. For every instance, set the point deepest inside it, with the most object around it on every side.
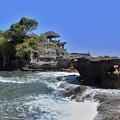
(61, 78)
(74, 90)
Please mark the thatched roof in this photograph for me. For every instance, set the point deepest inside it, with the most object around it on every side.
(51, 34)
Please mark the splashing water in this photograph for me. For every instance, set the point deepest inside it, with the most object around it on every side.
(30, 96)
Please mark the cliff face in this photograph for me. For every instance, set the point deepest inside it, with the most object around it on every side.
(49, 51)
(99, 71)
(47, 56)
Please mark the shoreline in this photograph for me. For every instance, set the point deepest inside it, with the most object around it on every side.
(108, 99)
(81, 93)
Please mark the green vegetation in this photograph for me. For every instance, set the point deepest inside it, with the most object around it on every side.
(32, 42)
(29, 45)
(1, 33)
(19, 31)
(42, 38)
(49, 43)
(23, 48)
(17, 40)
(5, 46)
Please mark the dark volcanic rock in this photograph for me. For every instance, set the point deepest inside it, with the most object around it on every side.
(72, 90)
(99, 71)
(42, 65)
(70, 86)
(61, 78)
(63, 63)
(60, 64)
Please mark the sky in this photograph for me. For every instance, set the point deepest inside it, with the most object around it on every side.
(86, 25)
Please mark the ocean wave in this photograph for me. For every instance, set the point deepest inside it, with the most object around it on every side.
(5, 80)
(62, 108)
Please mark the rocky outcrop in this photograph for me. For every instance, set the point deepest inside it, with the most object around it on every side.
(99, 71)
(71, 86)
(15, 63)
(47, 56)
(59, 64)
(109, 110)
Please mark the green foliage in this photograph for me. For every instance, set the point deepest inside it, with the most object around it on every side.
(15, 33)
(18, 31)
(49, 43)
(15, 40)
(28, 24)
(5, 46)
(28, 46)
(21, 49)
(1, 33)
(32, 42)
(42, 38)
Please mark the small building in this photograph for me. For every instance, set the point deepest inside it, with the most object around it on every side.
(50, 35)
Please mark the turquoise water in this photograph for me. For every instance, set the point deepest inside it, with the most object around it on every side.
(35, 96)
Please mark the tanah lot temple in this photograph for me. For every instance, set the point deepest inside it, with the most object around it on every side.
(51, 50)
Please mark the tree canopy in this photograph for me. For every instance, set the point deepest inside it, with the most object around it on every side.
(17, 39)
(19, 30)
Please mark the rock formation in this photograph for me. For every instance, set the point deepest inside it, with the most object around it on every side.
(48, 55)
(99, 71)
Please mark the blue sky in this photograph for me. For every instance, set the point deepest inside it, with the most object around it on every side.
(86, 25)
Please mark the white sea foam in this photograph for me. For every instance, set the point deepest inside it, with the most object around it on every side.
(56, 74)
(45, 106)
(55, 85)
(35, 77)
(81, 110)
(5, 80)
(63, 108)
(93, 91)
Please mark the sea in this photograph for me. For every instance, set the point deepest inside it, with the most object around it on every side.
(37, 96)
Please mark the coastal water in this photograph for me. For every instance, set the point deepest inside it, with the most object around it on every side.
(36, 96)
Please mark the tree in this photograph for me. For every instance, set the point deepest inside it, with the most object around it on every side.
(19, 31)
(42, 38)
(32, 42)
(5, 46)
(1, 33)
(28, 24)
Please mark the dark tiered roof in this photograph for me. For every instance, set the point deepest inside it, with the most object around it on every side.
(51, 34)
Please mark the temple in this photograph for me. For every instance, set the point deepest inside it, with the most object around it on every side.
(51, 50)
(51, 37)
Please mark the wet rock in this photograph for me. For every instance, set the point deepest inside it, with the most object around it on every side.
(109, 115)
(61, 78)
(101, 98)
(69, 79)
(74, 90)
(71, 86)
(98, 71)
(63, 85)
(63, 63)
(109, 110)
